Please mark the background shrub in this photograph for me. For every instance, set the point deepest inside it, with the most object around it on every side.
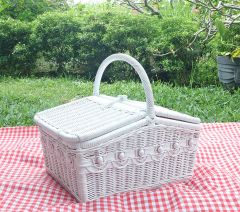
(28, 10)
(205, 68)
(16, 55)
(76, 41)
(90, 46)
(132, 34)
(174, 59)
(55, 35)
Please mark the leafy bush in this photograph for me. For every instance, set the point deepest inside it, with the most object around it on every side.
(204, 72)
(28, 10)
(108, 32)
(174, 58)
(55, 35)
(131, 33)
(145, 39)
(205, 68)
(77, 41)
(90, 47)
(16, 56)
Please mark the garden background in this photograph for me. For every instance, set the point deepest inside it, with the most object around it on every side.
(50, 52)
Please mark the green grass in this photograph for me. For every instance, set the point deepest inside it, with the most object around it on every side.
(20, 99)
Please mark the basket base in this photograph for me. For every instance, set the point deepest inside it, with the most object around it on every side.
(77, 198)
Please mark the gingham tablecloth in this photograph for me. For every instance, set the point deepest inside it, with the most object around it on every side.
(215, 185)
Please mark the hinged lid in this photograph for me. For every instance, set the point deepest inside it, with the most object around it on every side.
(87, 118)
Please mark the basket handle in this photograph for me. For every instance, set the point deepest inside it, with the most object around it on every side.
(138, 68)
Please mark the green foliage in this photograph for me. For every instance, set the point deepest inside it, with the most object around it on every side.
(55, 35)
(205, 68)
(205, 72)
(236, 53)
(76, 42)
(28, 10)
(131, 34)
(108, 32)
(93, 33)
(228, 39)
(222, 30)
(90, 46)
(176, 59)
(3, 5)
(20, 99)
(15, 48)
(177, 8)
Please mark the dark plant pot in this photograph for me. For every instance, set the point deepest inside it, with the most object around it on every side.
(229, 71)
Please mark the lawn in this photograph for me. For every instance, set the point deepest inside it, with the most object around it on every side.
(20, 99)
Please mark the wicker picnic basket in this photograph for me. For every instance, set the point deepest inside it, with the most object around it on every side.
(101, 145)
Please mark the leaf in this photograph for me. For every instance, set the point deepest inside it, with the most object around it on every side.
(236, 53)
(221, 28)
(3, 5)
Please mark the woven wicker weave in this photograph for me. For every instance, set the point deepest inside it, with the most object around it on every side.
(100, 145)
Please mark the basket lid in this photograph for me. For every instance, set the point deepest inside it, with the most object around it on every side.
(88, 118)
(159, 111)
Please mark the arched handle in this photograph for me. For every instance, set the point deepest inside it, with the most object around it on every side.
(138, 68)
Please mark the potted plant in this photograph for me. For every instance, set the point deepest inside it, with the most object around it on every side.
(229, 68)
(220, 20)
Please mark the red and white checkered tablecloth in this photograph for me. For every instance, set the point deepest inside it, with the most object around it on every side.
(215, 185)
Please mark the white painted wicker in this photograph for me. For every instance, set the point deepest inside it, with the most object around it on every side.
(100, 145)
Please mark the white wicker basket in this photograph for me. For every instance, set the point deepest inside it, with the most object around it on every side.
(100, 145)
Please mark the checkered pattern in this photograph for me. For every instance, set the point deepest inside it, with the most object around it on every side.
(215, 185)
